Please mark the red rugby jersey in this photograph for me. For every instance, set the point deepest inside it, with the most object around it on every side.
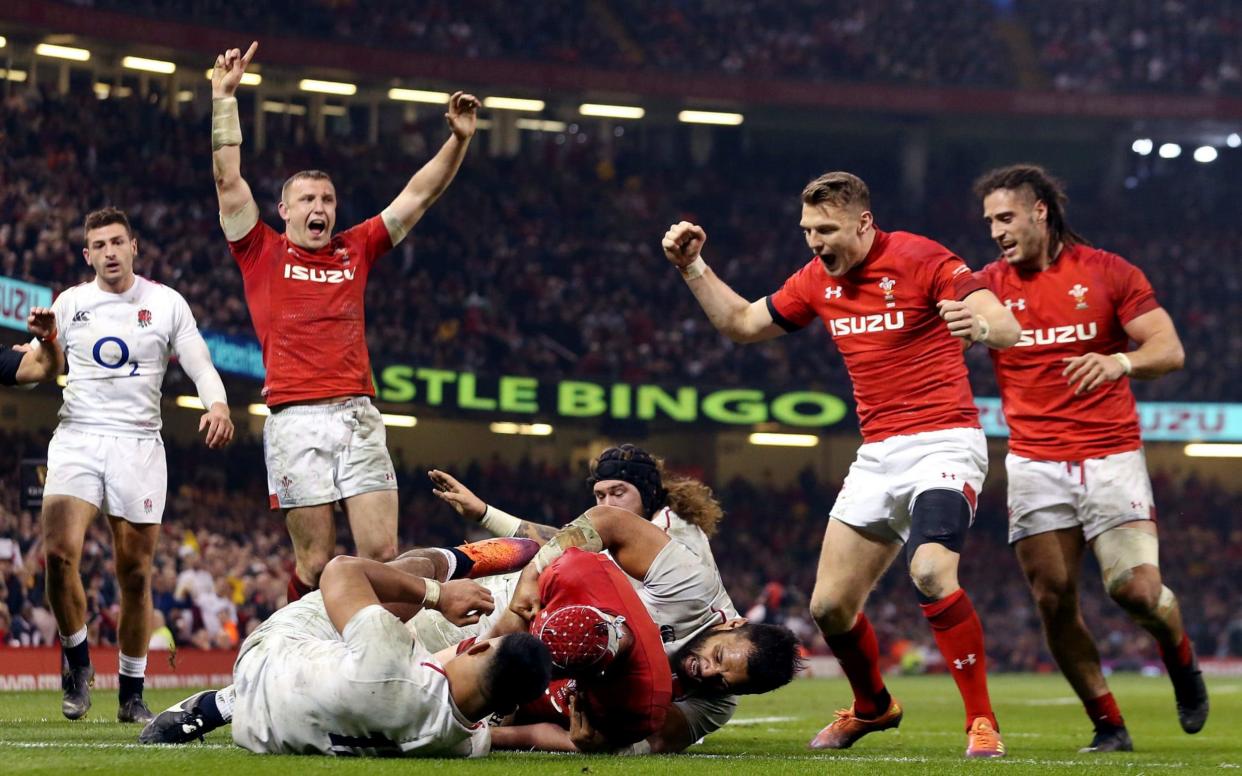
(1078, 305)
(908, 372)
(630, 701)
(308, 311)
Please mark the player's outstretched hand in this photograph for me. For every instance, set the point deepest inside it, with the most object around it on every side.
(1089, 371)
(41, 322)
(962, 323)
(463, 115)
(683, 242)
(218, 425)
(456, 495)
(525, 599)
(230, 66)
(581, 731)
(463, 600)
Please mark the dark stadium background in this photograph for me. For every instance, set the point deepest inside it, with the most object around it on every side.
(543, 259)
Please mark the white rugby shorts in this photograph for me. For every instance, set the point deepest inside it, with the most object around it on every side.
(322, 453)
(887, 477)
(1096, 495)
(125, 477)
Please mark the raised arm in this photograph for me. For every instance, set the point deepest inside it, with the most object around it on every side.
(435, 176)
(490, 518)
(731, 314)
(41, 363)
(238, 210)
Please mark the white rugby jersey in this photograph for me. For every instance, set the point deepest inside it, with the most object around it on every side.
(303, 688)
(117, 348)
(689, 534)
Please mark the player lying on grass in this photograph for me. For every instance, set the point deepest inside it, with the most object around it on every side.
(714, 654)
(338, 673)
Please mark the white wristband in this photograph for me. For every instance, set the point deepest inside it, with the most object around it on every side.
(694, 269)
(984, 329)
(225, 123)
(497, 522)
(431, 593)
(1124, 360)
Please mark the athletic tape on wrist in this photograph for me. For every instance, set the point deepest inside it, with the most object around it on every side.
(1124, 360)
(225, 123)
(694, 269)
(431, 593)
(499, 522)
(580, 533)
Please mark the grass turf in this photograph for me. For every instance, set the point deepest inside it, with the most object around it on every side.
(1042, 723)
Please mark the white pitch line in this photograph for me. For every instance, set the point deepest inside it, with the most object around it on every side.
(99, 745)
(744, 721)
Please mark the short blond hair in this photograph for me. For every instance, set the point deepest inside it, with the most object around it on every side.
(311, 175)
(839, 189)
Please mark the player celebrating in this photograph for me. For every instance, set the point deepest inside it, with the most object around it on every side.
(1077, 474)
(107, 456)
(337, 673)
(324, 442)
(923, 457)
(36, 363)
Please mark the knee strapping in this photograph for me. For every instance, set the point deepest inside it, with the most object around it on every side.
(940, 516)
(1120, 551)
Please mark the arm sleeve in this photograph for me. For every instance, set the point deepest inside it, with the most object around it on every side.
(372, 236)
(248, 249)
(952, 279)
(706, 715)
(194, 356)
(9, 361)
(790, 305)
(1130, 290)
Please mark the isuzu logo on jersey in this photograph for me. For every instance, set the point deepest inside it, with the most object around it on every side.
(1057, 334)
(887, 285)
(297, 272)
(1079, 292)
(866, 324)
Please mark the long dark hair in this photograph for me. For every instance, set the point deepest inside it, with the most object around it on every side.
(1044, 187)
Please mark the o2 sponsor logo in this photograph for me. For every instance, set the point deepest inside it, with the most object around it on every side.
(113, 353)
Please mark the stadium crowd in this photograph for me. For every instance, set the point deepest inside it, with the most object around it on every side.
(223, 559)
(565, 279)
(1095, 46)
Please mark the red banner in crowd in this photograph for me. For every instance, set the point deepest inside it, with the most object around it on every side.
(38, 668)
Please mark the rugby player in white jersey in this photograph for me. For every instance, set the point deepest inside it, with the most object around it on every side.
(338, 673)
(119, 332)
(715, 653)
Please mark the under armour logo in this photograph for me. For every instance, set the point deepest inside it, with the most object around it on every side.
(1136, 505)
(948, 476)
(832, 292)
(969, 661)
(1016, 304)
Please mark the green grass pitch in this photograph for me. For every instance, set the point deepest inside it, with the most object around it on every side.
(1042, 723)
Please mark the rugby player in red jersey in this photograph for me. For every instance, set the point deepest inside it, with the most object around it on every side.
(1077, 474)
(883, 297)
(324, 442)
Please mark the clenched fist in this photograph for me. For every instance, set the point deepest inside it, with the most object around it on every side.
(683, 242)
